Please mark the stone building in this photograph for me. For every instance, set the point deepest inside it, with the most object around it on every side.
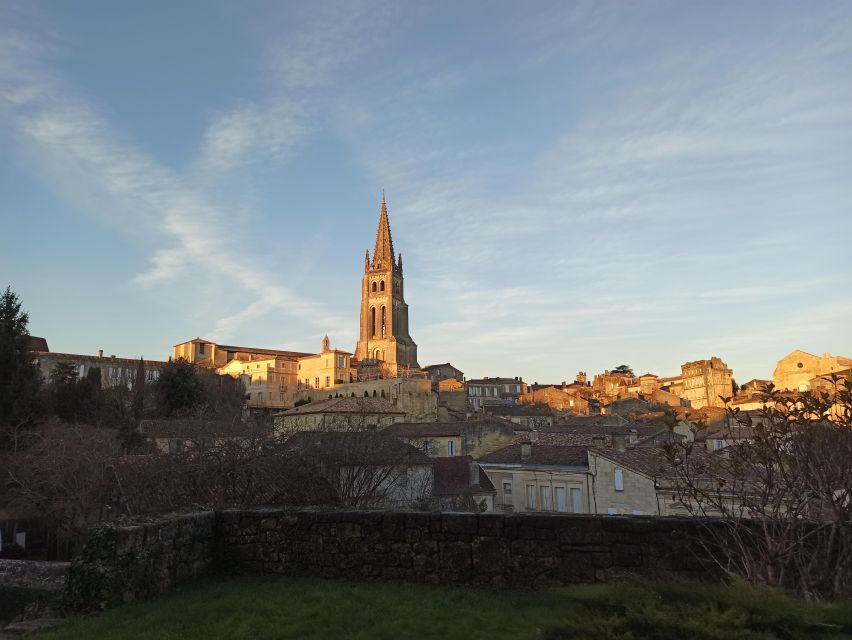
(443, 439)
(338, 414)
(706, 383)
(439, 372)
(413, 396)
(565, 398)
(609, 386)
(210, 354)
(482, 392)
(325, 370)
(269, 381)
(114, 371)
(795, 371)
(384, 336)
(529, 477)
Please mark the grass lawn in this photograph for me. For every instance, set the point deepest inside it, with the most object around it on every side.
(266, 608)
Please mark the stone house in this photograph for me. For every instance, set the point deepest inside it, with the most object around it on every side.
(530, 416)
(529, 477)
(559, 398)
(461, 438)
(325, 370)
(269, 381)
(438, 372)
(338, 414)
(179, 435)
(483, 392)
(210, 354)
(367, 468)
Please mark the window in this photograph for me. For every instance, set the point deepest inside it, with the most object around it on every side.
(328, 381)
(373, 320)
(382, 286)
(307, 384)
(373, 287)
(530, 496)
(546, 505)
(201, 348)
(619, 480)
(384, 320)
(451, 448)
(576, 505)
(560, 499)
(316, 382)
(507, 489)
(341, 362)
(719, 444)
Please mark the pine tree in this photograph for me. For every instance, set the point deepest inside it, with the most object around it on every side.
(20, 379)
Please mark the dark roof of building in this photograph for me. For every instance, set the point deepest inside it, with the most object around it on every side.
(572, 456)
(37, 344)
(357, 448)
(346, 404)
(425, 429)
(599, 421)
(271, 352)
(518, 410)
(105, 360)
(443, 364)
(190, 428)
(645, 460)
(452, 476)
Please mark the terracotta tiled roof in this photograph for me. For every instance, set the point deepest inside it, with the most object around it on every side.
(518, 410)
(571, 456)
(646, 460)
(346, 405)
(452, 476)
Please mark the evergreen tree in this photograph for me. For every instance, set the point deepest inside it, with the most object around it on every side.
(20, 379)
(179, 387)
(624, 369)
(139, 391)
(64, 391)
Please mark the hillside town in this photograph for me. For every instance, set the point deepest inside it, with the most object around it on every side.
(445, 441)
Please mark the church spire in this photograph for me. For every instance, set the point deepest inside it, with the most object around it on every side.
(383, 255)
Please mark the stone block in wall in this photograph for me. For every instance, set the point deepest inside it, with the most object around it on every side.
(578, 530)
(466, 523)
(490, 555)
(626, 555)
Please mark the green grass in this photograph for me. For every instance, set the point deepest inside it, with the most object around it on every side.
(312, 609)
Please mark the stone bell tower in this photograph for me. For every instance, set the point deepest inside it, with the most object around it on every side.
(384, 315)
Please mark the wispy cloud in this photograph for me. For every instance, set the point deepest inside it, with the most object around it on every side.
(73, 139)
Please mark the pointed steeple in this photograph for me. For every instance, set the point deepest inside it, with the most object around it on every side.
(383, 255)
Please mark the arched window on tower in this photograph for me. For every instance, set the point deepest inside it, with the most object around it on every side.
(382, 285)
(384, 321)
(373, 322)
(373, 287)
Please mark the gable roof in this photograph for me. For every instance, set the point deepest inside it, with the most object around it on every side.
(569, 456)
(452, 476)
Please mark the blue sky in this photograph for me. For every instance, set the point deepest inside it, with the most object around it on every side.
(573, 185)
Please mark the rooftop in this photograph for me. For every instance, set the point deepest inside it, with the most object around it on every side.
(346, 405)
(545, 455)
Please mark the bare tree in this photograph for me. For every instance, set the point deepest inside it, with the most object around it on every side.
(782, 498)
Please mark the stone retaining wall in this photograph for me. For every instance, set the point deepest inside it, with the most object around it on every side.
(29, 584)
(123, 563)
(516, 550)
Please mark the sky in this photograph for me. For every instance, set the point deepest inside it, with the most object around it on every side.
(573, 185)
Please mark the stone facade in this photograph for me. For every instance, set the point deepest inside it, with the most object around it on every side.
(707, 382)
(795, 371)
(413, 396)
(114, 371)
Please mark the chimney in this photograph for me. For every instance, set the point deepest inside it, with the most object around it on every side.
(599, 441)
(100, 353)
(564, 384)
(632, 437)
(474, 474)
(619, 442)
(526, 450)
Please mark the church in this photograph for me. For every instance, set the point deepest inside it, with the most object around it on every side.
(384, 344)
